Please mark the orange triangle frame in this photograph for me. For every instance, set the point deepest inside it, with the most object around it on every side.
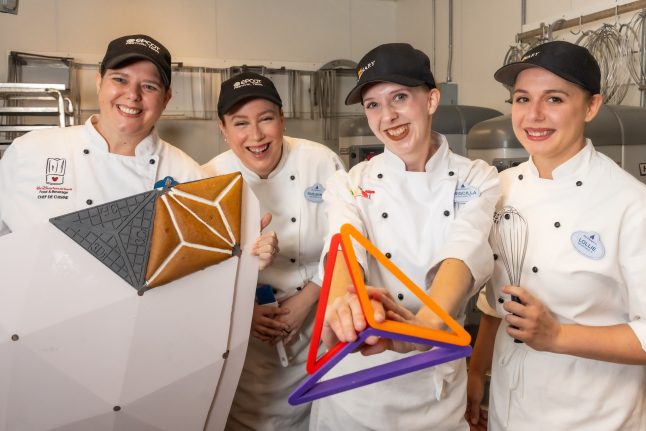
(458, 336)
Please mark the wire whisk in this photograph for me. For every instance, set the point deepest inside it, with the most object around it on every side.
(510, 234)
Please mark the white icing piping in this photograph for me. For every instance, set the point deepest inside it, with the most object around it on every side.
(226, 224)
(210, 228)
(184, 243)
(215, 202)
(175, 250)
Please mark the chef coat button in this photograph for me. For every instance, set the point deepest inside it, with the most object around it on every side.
(116, 408)
(151, 161)
(293, 219)
(447, 213)
(299, 288)
(380, 176)
(400, 296)
(89, 201)
(579, 183)
(534, 269)
(495, 256)
(292, 177)
(388, 255)
(500, 300)
(292, 260)
(86, 151)
(384, 215)
(225, 355)
(520, 177)
(15, 337)
(451, 173)
(557, 224)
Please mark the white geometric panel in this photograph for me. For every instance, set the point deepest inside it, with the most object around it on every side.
(89, 353)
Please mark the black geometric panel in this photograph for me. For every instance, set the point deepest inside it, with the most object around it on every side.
(118, 233)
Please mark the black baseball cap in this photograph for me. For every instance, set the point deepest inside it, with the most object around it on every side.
(571, 62)
(392, 62)
(246, 85)
(138, 46)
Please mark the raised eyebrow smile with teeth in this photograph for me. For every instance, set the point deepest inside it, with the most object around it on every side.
(258, 148)
(538, 132)
(127, 110)
(396, 131)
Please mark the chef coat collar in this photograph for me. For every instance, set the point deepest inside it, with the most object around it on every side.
(434, 164)
(147, 147)
(576, 166)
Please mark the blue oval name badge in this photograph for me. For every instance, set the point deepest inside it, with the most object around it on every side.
(315, 193)
(464, 193)
(588, 244)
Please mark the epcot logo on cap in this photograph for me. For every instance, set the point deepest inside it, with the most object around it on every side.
(364, 68)
(143, 42)
(247, 82)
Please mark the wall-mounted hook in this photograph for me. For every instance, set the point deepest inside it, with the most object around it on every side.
(617, 16)
(580, 27)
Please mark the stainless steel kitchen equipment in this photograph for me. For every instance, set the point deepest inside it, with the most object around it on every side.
(617, 131)
(25, 107)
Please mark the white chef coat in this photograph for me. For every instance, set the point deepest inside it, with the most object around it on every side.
(293, 194)
(599, 283)
(55, 171)
(417, 219)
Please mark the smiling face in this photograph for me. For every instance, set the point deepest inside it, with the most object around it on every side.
(131, 100)
(548, 116)
(254, 132)
(400, 117)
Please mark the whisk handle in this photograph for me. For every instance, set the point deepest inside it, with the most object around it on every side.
(516, 299)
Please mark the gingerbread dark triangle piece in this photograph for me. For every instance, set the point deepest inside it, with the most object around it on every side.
(117, 233)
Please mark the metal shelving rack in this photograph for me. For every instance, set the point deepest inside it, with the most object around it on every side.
(25, 107)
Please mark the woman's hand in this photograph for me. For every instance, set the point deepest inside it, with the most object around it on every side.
(475, 416)
(265, 325)
(344, 318)
(299, 306)
(266, 245)
(530, 320)
(394, 311)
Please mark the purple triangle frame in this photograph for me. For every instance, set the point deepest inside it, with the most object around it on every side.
(312, 389)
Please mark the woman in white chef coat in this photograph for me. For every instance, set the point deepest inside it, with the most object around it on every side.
(288, 176)
(415, 209)
(115, 154)
(581, 316)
